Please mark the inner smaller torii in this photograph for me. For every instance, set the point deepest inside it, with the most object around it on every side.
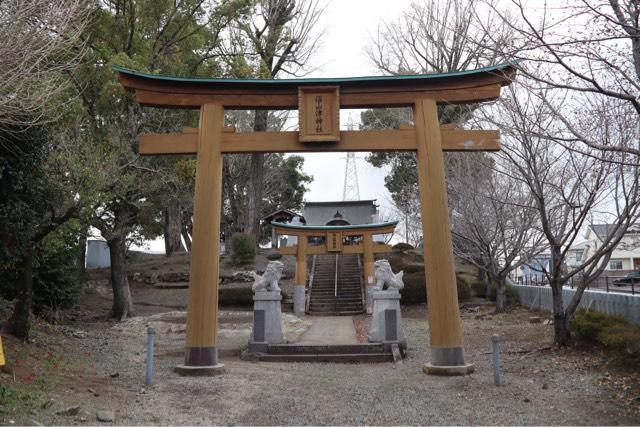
(318, 102)
(333, 236)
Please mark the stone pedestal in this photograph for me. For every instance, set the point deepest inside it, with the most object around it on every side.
(369, 294)
(386, 321)
(267, 322)
(299, 299)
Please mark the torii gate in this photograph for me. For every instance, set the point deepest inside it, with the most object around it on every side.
(318, 102)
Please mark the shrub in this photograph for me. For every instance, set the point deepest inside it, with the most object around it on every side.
(274, 256)
(464, 290)
(414, 268)
(479, 288)
(414, 291)
(588, 324)
(57, 281)
(509, 292)
(611, 331)
(401, 247)
(243, 249)
(621, 337)
(235, 297)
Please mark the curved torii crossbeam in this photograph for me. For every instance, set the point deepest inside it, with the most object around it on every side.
(319, 102)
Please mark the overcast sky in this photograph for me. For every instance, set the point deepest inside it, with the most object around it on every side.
(349, 26)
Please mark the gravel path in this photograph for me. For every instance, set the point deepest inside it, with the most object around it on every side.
(541, 387)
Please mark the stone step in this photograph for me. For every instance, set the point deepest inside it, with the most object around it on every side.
(364, 348)
(337, 308)
(339, 296)
(327, 358)
(341, 293)
(318, 291)
(327, 284)
(334, 313)
(335, 302)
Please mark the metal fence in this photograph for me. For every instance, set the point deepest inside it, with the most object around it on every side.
(602, 283)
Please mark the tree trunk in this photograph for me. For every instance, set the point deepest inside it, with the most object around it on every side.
(82, 254)
(172, 227)
(562, 334)
(122, 302)
(256, 182)
(18, 324)
(501, 295)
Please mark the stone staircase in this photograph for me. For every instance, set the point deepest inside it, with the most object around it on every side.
(349, 299)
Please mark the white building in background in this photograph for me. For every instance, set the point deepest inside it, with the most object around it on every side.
(625, 258)
(98, 255)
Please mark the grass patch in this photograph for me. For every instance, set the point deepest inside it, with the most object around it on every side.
(14, 401)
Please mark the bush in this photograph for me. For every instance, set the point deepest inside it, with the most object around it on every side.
(414, 268)
(509, 292)
(479, 288)
(274, 256)
(415, 290)
(611, 331)
(464, 290)
(243, 249)
(401, 247)
(621, 337)
(589, 324)
(235, 297)
(57, 281)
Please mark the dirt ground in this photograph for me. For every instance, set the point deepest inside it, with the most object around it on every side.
(86, 364)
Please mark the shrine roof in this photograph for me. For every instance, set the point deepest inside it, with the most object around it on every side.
(303, 227)
(477, 85)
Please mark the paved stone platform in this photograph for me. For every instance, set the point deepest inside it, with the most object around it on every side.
(330, 330)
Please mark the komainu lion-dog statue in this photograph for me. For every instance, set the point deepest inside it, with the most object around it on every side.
(384, 275)
(269, 280)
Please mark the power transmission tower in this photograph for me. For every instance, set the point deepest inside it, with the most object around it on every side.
(351, 188)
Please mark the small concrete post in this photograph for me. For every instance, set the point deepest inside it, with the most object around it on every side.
(495, 344)
(150, 336)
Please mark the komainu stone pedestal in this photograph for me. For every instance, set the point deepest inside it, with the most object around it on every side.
(369, 300)
(386, 321)
(267, 319)
(299, 299)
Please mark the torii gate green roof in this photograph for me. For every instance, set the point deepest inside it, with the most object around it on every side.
(482, 84)
(319, 81)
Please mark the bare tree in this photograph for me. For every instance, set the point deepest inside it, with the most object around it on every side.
(570, 188)
(495, 224)
(278, 37)
(39, 45)
(583, 47)
(440, 36)
(432, 36)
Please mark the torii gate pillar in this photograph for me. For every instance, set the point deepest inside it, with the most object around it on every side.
(445, 329)
(201, 353)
